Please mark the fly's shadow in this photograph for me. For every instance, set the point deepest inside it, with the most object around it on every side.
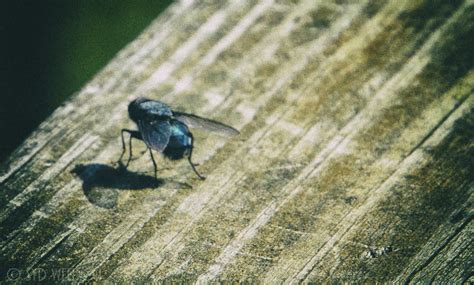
(101, 183)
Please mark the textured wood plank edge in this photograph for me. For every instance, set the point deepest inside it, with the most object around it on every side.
(342, 107)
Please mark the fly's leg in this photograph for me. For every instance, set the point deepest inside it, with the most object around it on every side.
(190, 161)
(194, 169)
(154, 163)
(133, 134)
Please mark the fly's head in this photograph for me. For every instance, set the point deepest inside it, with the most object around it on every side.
(135, 110)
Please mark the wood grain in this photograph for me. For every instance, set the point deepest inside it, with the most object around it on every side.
(354, 162)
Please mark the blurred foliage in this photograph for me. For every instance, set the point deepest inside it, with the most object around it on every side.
(50, 49)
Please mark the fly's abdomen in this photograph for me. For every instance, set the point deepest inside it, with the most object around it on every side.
(180, 141)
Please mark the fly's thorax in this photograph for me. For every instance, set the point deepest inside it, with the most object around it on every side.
(146, 109)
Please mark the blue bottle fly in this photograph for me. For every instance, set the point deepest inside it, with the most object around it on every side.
(166, 131)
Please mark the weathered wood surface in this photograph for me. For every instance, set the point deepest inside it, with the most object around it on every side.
(355, 160)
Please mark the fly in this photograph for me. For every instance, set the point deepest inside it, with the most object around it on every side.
(166, 131)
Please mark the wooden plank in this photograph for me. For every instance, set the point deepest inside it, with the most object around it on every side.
(354, 162)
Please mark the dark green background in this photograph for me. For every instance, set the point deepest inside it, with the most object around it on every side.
(50, 49)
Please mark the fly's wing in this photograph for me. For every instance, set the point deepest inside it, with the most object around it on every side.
(155, 133)
(197, 122)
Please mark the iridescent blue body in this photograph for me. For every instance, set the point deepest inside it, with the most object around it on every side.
(166, 131)
(180, 142)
